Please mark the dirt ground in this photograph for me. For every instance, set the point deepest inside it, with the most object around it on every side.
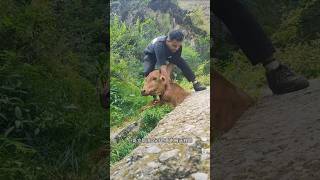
(277, 139)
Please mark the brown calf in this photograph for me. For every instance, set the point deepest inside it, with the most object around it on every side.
(229, 103)
(169, 92)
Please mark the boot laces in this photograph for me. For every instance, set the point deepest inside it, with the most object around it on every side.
(285, 72)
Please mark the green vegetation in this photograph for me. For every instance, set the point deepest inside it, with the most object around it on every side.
(51, 120)
(198, 18)
(294, 29)
(148, 121)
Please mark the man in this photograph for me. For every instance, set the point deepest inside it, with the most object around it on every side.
(257, 46)
(165, 49)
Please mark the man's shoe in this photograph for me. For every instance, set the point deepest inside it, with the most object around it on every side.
(282, 80)
(198, 87)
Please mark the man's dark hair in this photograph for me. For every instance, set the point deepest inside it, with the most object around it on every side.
(176, 35)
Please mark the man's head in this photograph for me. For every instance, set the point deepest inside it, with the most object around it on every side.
(174, 40)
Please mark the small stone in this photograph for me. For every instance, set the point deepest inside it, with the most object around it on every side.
(203, 138)
(153, 164)
(205, 154)
(204, 157)
(200, 176)
(167, 155)
(188, 127)
(192, 142)
(153, 149)
(163, 168)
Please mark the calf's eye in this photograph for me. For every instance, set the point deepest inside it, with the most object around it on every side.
(154, 78)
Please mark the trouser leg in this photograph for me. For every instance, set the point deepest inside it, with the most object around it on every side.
(148, 65)
(245, 30)
(185, 68)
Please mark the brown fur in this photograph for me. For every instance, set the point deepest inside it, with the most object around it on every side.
(174, 94)
(168, 91)
(229, 103)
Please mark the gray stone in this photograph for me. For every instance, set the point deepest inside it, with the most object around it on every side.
(273, 139)
(200, 176)
(153, 164)
(173, 160)
(153, 149)
(169, 154)
(204, 138)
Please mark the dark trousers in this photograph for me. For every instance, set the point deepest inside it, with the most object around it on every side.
(149, 63)
(245, 30)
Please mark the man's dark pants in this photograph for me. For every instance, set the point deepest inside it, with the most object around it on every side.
(149, 63)
(245, 30)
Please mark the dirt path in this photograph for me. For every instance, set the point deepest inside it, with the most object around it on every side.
(277, 139)
(170, 160)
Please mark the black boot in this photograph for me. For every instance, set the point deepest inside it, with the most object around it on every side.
(282, 80)
(198, 87)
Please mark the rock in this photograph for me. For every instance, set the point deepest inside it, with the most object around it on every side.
(179, 158)
(278, 138)
(189, 127)
(153, 149)
(204, 138)
(131, 11)
(199, 176)
(205, 154)
(169, 154)
(115, 137)
(153, 164)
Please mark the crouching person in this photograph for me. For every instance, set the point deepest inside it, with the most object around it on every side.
(164, 50)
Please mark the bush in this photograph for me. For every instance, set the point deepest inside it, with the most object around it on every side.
(151, 117)
(245, 76)
(121, 149)
(303, 58)
(50, 115)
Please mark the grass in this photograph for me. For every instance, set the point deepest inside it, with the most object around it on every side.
(148, 121)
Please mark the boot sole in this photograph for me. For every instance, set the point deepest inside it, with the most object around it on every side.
(292, 88)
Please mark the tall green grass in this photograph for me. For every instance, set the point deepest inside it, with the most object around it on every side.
(148, 120)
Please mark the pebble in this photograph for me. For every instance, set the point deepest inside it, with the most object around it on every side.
(169, 154)
(153, 149)
(200, 176)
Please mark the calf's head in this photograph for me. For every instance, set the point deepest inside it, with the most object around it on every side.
(154, 84)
